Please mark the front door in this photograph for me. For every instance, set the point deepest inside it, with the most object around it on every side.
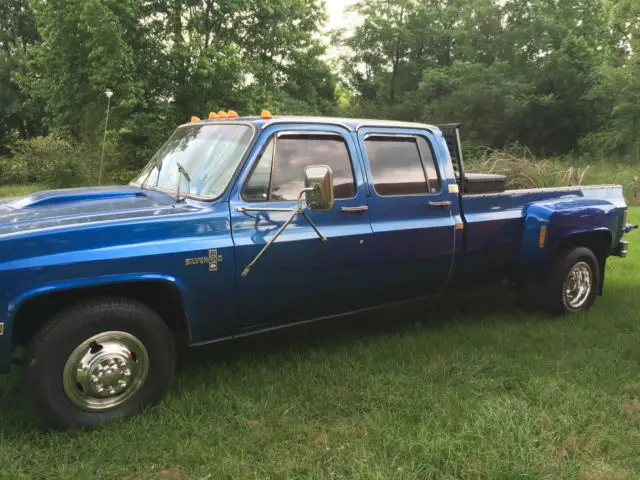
(411, 212)
(299, 277)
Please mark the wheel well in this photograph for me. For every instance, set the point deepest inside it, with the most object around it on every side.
(163, 298)
(598, 242)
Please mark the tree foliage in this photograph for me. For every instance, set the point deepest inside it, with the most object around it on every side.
(164, 59)
(546, 73)
(19, 115)
(558, 76)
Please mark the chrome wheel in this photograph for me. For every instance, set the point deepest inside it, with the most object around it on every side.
(577, 286)
(105, 371)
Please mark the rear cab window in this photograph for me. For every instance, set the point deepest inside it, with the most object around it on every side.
(402, 164)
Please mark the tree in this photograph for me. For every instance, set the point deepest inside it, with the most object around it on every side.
(17, 32)
(550, 52)
(619, 97)
(169, 59)
(489, 100)
(84, 52)
(617, 92)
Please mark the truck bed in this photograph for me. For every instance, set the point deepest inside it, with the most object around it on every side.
(494, 225)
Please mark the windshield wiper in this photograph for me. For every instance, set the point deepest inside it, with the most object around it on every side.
(186, 175)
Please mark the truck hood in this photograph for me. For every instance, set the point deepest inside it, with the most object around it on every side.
(82, 206)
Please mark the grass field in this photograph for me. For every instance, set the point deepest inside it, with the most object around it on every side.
(18, 190)
(460, 387)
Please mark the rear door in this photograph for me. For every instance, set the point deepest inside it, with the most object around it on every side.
(410, 210)
(299, 277)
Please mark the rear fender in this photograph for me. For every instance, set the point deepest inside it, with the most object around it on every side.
(550, 226)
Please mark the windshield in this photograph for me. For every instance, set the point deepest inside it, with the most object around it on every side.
(209, 153)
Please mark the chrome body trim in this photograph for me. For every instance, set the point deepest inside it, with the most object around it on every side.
(526, 191)
(312, 320)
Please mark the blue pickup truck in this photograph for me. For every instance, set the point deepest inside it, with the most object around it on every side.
(241, 225)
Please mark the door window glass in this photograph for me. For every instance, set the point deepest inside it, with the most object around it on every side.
(281, 176)
(426, 152)
(395, 165)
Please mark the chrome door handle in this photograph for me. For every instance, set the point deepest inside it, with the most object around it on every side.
(445, 204)
(359, 209)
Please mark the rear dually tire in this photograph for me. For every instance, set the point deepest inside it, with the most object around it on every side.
(573, 282)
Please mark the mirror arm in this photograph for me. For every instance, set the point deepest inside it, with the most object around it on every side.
(245, 272)
(322, 238)
(294, 213)
(305, 190)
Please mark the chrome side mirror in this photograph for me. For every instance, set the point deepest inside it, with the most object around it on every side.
(318, 183)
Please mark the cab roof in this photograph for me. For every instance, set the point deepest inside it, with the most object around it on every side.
(351, 124)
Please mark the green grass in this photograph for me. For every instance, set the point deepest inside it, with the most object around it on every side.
(19, 190)
(460, 387)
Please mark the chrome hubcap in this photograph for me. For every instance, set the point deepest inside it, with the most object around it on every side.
(577, 286)
(105, 370)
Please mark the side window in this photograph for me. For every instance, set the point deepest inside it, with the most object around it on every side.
(395, 165)
(281, 176)
(426, 152)
(257, 187)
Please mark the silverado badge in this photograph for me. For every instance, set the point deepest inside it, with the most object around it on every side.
(211, 260)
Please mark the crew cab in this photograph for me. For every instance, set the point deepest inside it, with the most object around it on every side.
(243, 225)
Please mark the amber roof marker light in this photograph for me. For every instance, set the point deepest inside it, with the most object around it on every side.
(195, 119)
(232, 114)
(266, 114)
(213, 116)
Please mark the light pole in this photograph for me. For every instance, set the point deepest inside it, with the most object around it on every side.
(109, 94)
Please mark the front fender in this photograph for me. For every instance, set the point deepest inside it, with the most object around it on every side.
(76, 284)
(12, 308)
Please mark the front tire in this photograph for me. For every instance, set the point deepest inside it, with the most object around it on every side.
(574, 282)
(97, 362)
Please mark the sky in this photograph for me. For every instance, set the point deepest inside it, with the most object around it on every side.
(339, 19)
